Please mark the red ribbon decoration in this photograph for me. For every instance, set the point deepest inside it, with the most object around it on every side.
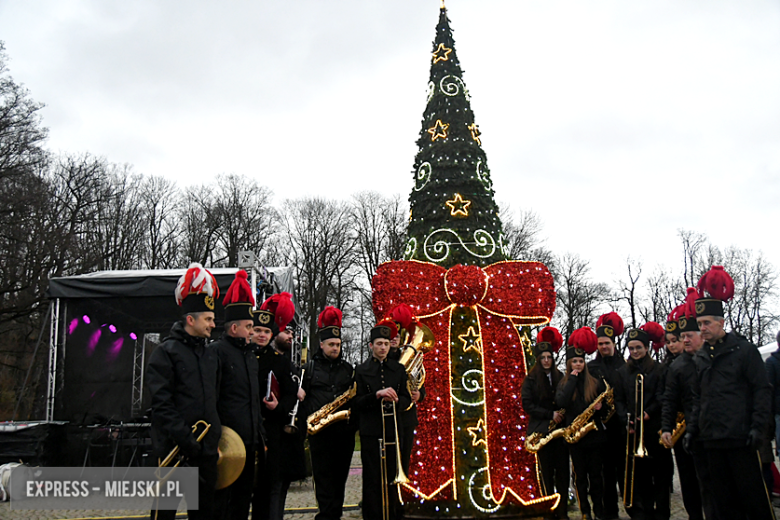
(503, 295)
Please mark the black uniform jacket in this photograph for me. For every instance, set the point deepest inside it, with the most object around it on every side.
(654, 387)
(538, 406)
(270, 359)
(239, 391)
(606, 367)
(374, 375)
(732, 396)
(324, 381)
(410, 415)
(576, 404)
(182, 380)
(678, 396)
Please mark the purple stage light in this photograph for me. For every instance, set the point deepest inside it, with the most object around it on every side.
(133, 336)
(113, 352)
(112, 329)
(86, 319)
(93, 341)
(73, 324)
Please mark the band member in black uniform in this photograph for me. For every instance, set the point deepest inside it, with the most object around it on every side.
(239, 392)
(269, 493)
(380, 383)
(538, 394)
(182, 380)
(732, 406)
(576, 392)
(652, 474)
(678, 397)
(605, 366)
(327, 377)
(404, 321)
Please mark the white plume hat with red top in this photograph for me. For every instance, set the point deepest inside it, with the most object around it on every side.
(196, 290)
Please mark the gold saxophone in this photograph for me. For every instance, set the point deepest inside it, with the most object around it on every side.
(536, 441)
(328, 415)
(677, 433)
(584, 423)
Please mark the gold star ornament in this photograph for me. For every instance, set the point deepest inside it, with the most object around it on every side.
(442, 53)
(471, 341)
(478, 433)
(458, 206)
(438, 130)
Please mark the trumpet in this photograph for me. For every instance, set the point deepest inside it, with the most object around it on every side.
(291, 428)
(389, 410)
(174, 453)
(638, 450)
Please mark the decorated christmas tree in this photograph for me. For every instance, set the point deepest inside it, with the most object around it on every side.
(469, 458)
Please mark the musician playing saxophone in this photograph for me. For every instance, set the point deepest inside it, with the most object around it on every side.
(328, 376)
(380, 383)
(652, 474)
(538, 394)
(576, 392)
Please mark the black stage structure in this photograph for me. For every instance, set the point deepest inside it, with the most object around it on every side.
(103, 327)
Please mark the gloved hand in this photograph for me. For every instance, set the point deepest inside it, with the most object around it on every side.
(191, 449)
(753, 439)
(688, 442)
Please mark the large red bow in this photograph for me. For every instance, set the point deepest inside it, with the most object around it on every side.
(502, 295)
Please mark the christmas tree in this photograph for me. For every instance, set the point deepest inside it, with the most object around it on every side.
(469, 458)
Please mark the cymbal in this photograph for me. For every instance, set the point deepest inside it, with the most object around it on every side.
(232, 457)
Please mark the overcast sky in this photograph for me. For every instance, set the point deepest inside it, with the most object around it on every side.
(617, 122)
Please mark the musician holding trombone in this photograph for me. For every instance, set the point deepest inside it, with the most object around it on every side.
(544, 416)
(182, 381)
(577, 391)
(328, 376)
(639, 399)
(382, 394)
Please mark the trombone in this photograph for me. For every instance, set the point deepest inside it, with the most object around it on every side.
(637, 450)
(389, 410)
(175, 451)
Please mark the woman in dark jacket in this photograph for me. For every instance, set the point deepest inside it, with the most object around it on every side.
(538, 395)
(652, 473)
(576, 392)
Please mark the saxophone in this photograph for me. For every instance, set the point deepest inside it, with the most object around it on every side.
(679, 431)
(584, 423)
(536, 441)
(328, 415)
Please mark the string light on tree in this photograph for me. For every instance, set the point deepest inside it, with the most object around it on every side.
(438, 130)
(475, 133)
(471, 340)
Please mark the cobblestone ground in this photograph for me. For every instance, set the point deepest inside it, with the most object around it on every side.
(300, 504)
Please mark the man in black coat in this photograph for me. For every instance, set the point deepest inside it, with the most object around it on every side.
(328, 376)
(605, 366)
(678, 398)
(381, 384)
(652, 475)
(773, 375)
(182, 381)
(239, 393)
(271, 488)
(732, 407)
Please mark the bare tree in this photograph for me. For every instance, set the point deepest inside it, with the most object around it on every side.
(522, 233)
(755, 289)
(628, 290)
(664, 294)
(160, 203)
(578, 297)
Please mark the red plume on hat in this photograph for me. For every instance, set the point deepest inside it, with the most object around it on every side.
(676, 313)
(689, 307)
(390, 324)
(613, 320)
(239, 291)
(282, 307)
(195, 281)
(329, 317)
(403, 315)
(717, 283)
(552, 336)
(656, 333)
(584, 338)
